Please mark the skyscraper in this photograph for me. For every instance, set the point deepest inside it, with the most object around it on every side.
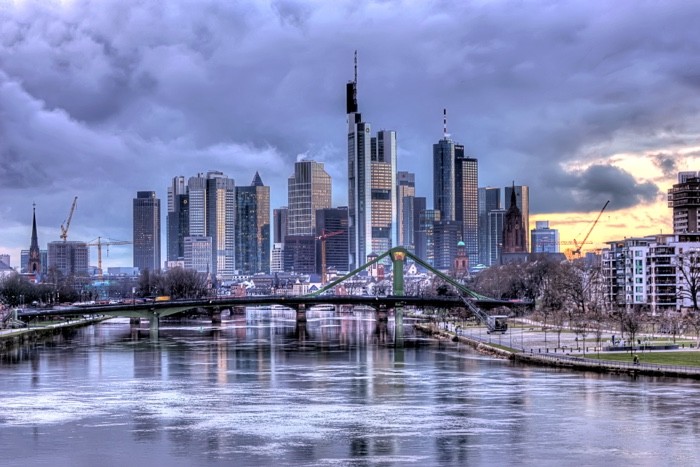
(444, 178)
(522, 200)
(146, 228)
(309, 189)
(383, 188)
(205, 207)
(177, 218)
(405, 190)
(334, 221)
(467, 202)
(489, 200)
(371, 183)
(253, 227)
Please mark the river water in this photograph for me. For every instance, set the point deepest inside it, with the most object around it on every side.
(258, 390)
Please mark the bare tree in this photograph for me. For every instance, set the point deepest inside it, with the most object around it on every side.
(688, 267)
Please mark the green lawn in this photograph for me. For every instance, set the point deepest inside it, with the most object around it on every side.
(688, 358)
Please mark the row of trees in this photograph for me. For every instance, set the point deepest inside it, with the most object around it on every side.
(176, 283)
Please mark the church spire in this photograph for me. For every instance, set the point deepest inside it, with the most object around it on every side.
(34, 266)
(513, 200)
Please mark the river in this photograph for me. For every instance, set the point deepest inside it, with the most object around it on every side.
(258, 390)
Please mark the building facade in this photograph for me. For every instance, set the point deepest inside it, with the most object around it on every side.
(543, 239)
(334, 223)
(197, 254)
(684, 200)
(405, 192)
(467, 201)
(68, 258)
(146, 231)
(489, 200)
(253, 227)
(309, 189)
(522, 200)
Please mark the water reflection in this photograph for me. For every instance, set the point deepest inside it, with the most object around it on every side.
(261, 388)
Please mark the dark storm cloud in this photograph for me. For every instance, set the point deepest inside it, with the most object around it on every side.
(667, 163)
(104, 98)
(589, 189)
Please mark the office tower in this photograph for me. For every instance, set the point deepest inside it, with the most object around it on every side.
(34, 252)
(177, 218)
(277, 257)
(5, 259)
(253, 227)
(543, 239)
(419, 206)
(467, 202)
(197, 253)
(383, 189)
(684, 199)
(300, 254)
(425, 240)
(444, 178)
(522, 199)
(489, 200)
(406, 189)
(371, 183)
(309, 189)
(279, 224)
(496, 222)
(68, 259)
(146, 228)
(446, 235)
(334, 223)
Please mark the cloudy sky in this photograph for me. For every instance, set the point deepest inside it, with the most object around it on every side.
(583, 101)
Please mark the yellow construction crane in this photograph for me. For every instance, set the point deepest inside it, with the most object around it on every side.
(99, 244)
(66, 224)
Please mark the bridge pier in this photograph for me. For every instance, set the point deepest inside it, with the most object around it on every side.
(216, 316)
(382, 314)
(301, 313)
(154, 324)
(398, 326)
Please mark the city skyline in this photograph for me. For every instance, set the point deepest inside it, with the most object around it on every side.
(582, 103)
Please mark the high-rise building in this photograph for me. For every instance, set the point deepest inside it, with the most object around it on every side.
(146, 229)
(405, 190)
(68, 258)
(425, 240)
(496, 222)
(419, 206)
(522, 200)
(371, 183)
(334, 223)
(684, 199)
(467, 201)
(221, 222)
(253, 227)
(177, 218)
(444, 178)
(34, 252)
(383, 188)
(300, 254)
(309, 189)
(279, 224)
(489, 200)
(5, 259)
(197, 253)
(543, 239)
(446, 235)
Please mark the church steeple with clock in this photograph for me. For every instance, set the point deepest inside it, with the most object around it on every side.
(34, 253)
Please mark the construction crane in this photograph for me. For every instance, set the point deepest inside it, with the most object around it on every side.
(325, 235)
(66, 224)
(99, 244)
(577, 250)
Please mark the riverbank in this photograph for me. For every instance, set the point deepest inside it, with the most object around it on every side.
(560, 360)
(13, 338)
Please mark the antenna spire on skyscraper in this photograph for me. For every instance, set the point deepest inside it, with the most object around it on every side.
(355, 67)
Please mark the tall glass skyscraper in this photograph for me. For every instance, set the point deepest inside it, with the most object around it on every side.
(146, 231)
(405, 192)
(371, 184)
(489, 200)
(253, 227)
(309, 189)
